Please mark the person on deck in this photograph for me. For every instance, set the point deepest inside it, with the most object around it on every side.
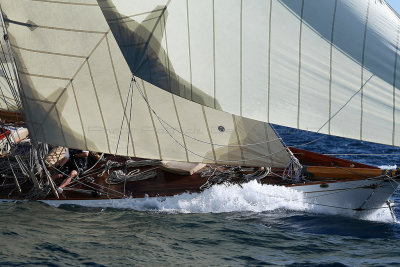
(76, 163)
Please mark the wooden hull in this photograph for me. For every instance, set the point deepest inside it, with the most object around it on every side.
(344, 187)
(11, 117)
(354, 198)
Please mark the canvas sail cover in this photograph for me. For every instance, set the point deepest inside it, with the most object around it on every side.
(78, 92)
(326, 66)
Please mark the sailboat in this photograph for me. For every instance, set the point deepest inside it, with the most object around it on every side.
(181, 95)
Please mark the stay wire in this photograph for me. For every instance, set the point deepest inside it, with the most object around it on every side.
(335, 114)
(78, 178)
(194, 153)
(9, 76)
(13, 64)
(129, 123)
(3, 95)
(162, 121)
(124, 115)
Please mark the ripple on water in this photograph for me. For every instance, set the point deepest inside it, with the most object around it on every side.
(224, 226)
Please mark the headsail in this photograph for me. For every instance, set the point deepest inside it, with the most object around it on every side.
(8, 87)
(326, 66)
(78, 91)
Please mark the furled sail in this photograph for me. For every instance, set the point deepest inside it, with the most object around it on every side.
(323, 66)
(77, 91)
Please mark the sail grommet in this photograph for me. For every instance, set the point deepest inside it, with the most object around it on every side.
(221, 129)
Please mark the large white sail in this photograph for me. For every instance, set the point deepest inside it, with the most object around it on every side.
(8, 87)
(324, 66)
(77, 91)
(7, 98)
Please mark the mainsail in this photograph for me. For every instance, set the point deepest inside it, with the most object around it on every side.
(8, 86)
(77, 91)
(323, 66)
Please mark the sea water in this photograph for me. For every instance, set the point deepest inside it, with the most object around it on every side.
(226, 225)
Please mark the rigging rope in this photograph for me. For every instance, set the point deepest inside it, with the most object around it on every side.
(162, 121)
(10, 53)
(186, 148)
(119, 176)
(336, 113)
(124, 115)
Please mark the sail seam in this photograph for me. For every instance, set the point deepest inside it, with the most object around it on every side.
(162, 121)
(190, 51)
(76, 73)
(66, 3)
(214, 67)
(166, 50)
(70, 80)
(38, 100)
(61, 128)
(44, 76)
(119, 93)
(69, 30)
(34, 26)
(268, 145)
(117, 20)
(46, 52)
(269, 58)
(59, 29)
(238, 139)
(299, 73)
(164, 124)
(87, 58)
(98, 104)
(362, 71)
(152, 120)
(80, 115)
(331, 65)
(147, 42)
(180, 127)
(394, 84)
(209, 134)
(241, 57)
(149, 19)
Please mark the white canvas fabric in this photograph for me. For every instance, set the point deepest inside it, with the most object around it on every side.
(8, 97)
(328, 66)
(78, 92)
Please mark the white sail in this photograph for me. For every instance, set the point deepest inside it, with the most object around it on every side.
(7, 99)
(8, 85)
(77, 92)
(324, 66)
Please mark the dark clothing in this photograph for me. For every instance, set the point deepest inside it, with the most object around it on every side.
(76, 163)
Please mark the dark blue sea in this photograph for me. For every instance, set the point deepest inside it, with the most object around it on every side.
(224, 226)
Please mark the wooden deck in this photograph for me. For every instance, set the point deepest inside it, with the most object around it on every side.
(169, 184)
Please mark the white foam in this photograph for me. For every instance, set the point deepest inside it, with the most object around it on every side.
(380, 215)
(388, 167)
(251, 196)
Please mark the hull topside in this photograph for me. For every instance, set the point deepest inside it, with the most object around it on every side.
(351, 189)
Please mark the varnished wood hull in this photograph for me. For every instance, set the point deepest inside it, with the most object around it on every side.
(343, 187)
(352, 198)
